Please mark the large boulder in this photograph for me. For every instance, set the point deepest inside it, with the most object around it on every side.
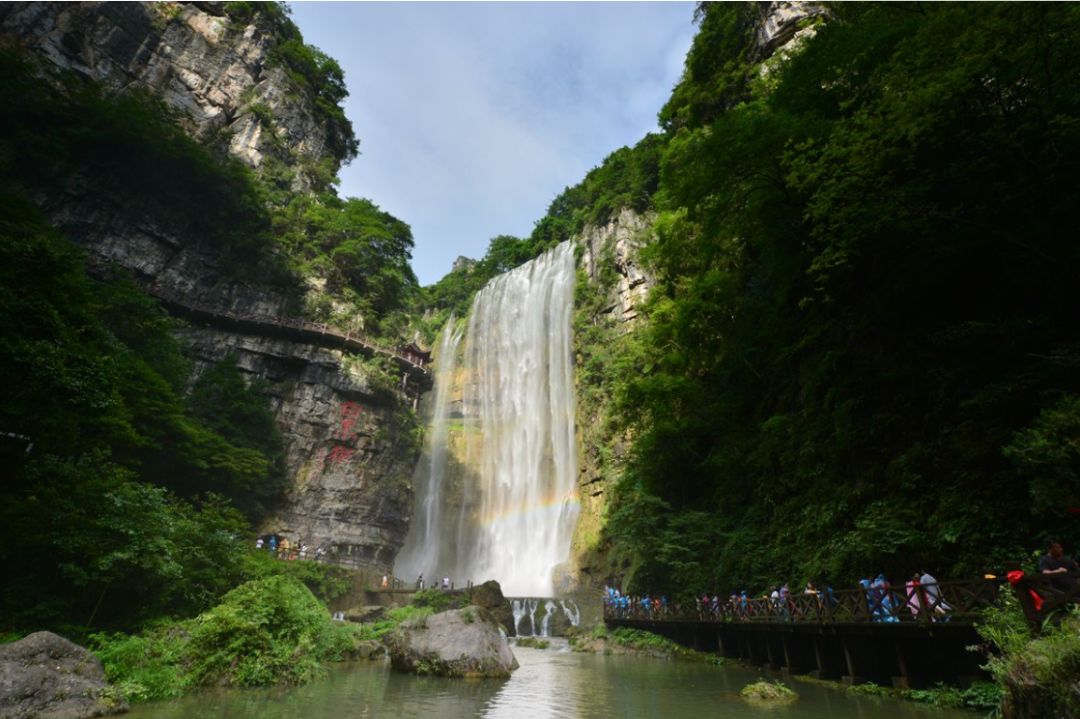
(458, 643)
(44, 675)
(489, 596)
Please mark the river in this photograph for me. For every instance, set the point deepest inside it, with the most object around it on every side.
(550, 683)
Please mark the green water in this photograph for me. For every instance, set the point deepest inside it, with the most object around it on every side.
(550, 683)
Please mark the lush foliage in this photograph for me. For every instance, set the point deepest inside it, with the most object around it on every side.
(1035, 671)
(100, 440)
(264, 632)
(860, 334)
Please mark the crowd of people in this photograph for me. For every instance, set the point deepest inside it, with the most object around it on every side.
(883, 602)
(284, 549)
(921, 596)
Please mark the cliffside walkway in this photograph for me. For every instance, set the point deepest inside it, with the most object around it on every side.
(857, 635)
(292, 328)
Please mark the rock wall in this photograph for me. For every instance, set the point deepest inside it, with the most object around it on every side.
(610, 258)
(211, 69)
(350, 449)
(350, 444)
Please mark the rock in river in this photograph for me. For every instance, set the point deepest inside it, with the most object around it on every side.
(458, 643)
(45, 675)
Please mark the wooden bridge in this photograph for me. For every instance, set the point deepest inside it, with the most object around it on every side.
(292, 328)
(907, 637)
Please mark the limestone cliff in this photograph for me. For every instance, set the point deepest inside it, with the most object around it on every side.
(349, 435)
(619, 284)
(215, 71)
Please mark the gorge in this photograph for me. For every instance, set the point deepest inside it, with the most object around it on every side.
(815, 327)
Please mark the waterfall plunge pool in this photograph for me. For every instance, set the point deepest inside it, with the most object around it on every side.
(551, 682)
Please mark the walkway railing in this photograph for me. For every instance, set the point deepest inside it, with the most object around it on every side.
(959, 602)
(318, 332)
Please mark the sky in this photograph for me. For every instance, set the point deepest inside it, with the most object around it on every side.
(473, 117)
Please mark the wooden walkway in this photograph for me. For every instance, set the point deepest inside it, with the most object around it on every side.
(906, 637)
(292, 328)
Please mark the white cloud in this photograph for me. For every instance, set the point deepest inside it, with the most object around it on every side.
(474, 116)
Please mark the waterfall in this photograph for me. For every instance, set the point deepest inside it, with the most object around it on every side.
(521, 395)
(570, 609)
(513, 513)
(545, 624)
(426, 549)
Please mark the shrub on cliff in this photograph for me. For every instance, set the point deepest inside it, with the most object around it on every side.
(265, 632)
(1037, 674)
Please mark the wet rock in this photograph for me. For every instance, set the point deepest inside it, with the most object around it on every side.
(489, 596)
(369, 649)
(361, 615)
(458, 643)
(45, 675)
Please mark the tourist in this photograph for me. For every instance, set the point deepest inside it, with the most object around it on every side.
(446, 583)
(385, 582)
(259, 543)
(420, 582)
(1062, 570)
(871, 601)
(883, 594)
(934, 599)
(272, 544)
(914, 604)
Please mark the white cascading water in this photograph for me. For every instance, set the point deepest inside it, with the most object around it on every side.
(520, 392)
(519, 501)
(426, 548)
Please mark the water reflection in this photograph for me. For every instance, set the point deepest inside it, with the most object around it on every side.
(551, 683)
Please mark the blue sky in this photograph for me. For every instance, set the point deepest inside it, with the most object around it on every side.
(472, 117)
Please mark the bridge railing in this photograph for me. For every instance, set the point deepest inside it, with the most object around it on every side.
(956, 601)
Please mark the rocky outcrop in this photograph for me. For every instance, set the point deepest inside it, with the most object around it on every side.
(45, 675)
(489, 596)
(458, 643)
(783, 26)
(217, 73)
(611, 259)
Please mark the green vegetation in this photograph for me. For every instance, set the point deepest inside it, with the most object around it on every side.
(109, 465)
(264, 632)
(532, 642)
(1035, 673)
(766, 691)
(438, 600)
(859, 333)
(130, 477)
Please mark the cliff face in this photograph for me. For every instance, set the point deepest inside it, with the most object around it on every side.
(349, 436)
(615, 273)
(215, 72)
(611, 259)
